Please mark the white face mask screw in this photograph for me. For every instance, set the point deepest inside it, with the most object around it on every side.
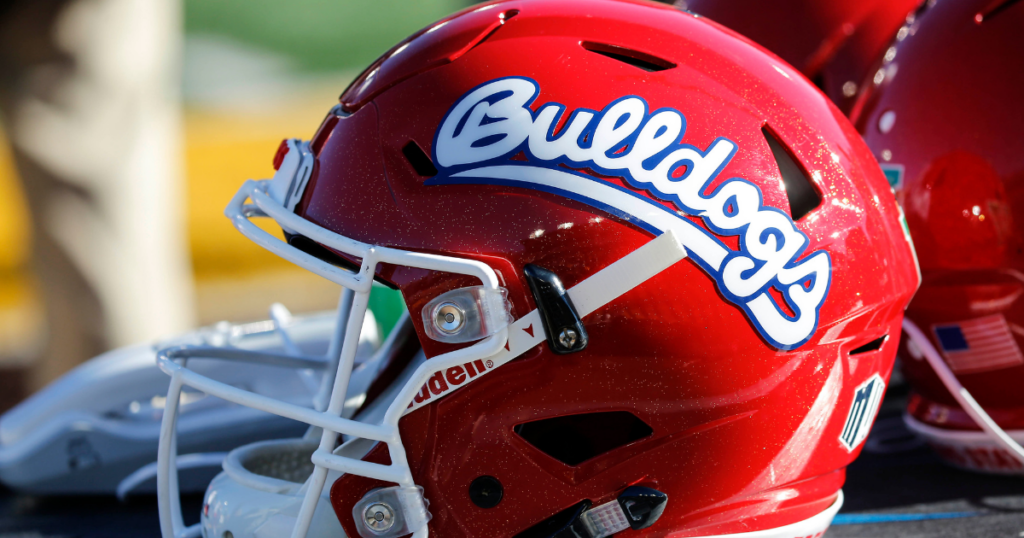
(449, 318)
(567, 338)
(379, 517)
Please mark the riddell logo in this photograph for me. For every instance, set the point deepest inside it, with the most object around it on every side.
(443, 382)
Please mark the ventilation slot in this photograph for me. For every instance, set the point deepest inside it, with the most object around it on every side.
(803, 197)
(819, 80)
(322, 253)
(575, 439)
(632, 57)
(485, 35)
(873, 345)
(319, 252)
(419, 160)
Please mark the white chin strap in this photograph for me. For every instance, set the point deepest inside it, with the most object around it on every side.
(964, 398)
(493, 351)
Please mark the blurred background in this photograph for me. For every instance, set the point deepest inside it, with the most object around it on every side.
(125, 128)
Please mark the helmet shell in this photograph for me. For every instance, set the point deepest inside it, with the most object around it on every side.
(706, 388)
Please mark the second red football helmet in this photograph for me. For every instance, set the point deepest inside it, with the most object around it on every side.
(943, 117)
(832, 42)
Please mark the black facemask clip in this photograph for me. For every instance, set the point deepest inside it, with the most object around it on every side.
(562, 323)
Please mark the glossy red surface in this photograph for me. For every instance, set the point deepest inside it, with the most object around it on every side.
(834, 43)
(954, 89)
(745, 436)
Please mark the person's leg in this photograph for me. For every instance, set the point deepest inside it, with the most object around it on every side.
(89, 99)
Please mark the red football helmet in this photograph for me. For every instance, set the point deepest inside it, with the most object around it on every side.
(943, 118)
(832, 42)
(531, 176)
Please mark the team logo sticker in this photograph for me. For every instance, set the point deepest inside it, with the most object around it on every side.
(493, 122)
(866, 400)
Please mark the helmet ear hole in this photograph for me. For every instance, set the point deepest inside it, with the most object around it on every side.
(803, 196)
(575, 439)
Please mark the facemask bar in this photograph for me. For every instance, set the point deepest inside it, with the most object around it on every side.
(964, 398)
(334, 350)
(352, 309)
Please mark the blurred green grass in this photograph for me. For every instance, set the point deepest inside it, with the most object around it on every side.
(319, 35)
(324, 44)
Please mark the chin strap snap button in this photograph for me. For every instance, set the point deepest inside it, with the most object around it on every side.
(391, 512)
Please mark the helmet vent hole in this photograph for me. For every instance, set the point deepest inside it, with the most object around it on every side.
(819, 81)
(803, 196)
(635, 58)
(575, 439)
(419, 160)
(873, 345)
(320, 252)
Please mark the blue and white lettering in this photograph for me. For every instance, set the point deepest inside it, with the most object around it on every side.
(494, 122)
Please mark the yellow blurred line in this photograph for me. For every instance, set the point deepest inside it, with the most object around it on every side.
(15, 233)
(221, 151)
(223, 148)
(21, 317)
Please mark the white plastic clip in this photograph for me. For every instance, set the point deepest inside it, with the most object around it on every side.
(391, 512)
(467, 314)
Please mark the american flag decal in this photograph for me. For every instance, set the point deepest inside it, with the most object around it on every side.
(978, 345)
(866, 400)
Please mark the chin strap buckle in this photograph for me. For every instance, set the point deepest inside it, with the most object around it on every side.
(636, 508)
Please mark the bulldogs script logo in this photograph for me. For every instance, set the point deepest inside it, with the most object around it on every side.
(493, 122)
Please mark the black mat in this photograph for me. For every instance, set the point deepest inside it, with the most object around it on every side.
(24, 516)
(897, 489)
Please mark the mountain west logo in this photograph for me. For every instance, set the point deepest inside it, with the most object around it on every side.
(494, 122)
(866, 400)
